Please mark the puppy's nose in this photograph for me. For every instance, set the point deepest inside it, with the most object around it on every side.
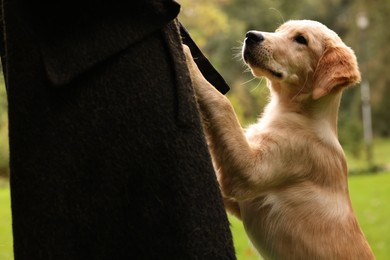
(254, 37)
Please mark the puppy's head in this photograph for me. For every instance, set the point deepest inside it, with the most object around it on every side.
(301, 58)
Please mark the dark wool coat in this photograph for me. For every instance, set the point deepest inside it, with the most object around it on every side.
(108, 159)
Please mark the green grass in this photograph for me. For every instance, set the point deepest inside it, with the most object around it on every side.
(370, 196)
(6, 252)
(244, 249)
(381, 156)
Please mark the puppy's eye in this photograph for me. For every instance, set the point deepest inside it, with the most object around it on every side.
(300, 39)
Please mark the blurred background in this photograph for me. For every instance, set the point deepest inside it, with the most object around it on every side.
(219, 27)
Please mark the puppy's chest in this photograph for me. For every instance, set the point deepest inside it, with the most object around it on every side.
(298, 199)
(280, 216)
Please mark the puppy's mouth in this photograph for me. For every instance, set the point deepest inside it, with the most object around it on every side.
(275, 73)
(255, 64)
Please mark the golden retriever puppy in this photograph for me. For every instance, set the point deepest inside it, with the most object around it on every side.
(285, 177)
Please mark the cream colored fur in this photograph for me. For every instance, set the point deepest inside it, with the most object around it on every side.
(285, 177)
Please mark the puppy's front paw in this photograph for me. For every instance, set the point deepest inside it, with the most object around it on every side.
(187, 52)
(192, 67)
(202, 87)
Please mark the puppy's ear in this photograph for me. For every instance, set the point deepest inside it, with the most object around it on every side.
(337, 68)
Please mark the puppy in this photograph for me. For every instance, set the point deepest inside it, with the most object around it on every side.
(285, 177)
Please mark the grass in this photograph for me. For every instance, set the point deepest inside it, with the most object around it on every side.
(6, 252)
(369, 193)
(244, 249)
(381, 156)
(370, 196)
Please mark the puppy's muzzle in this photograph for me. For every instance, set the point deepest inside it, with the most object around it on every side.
(255, 54)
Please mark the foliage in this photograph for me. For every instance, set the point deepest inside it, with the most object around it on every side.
(370, 45)
(211, 14)
(219, 28)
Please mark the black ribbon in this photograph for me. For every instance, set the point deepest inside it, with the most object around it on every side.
(204, 65)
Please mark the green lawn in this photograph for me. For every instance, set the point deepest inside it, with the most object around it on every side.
(370, 196)
(244, 249)
(381, 156)
(5, 224)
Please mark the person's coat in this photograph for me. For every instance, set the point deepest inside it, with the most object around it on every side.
(107, 156)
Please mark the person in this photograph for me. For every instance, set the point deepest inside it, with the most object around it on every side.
(107, 155)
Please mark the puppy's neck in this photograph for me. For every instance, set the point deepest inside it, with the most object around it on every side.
(326, 109)
(321, 115)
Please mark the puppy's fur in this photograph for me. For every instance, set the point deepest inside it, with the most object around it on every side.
(285, 177)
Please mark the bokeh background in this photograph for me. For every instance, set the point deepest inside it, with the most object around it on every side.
(219, 27)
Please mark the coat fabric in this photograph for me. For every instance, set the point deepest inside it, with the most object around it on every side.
(107, 156)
